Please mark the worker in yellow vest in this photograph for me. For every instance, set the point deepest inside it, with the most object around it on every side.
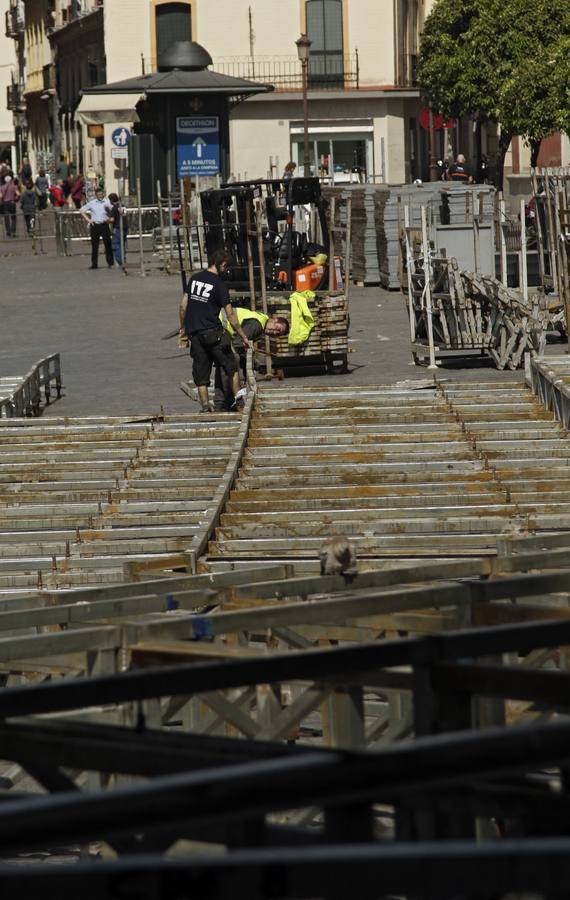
(254, 324)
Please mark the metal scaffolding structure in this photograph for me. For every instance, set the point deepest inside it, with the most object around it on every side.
(408, 721)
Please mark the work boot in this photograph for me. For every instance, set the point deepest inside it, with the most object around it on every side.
(237, 405)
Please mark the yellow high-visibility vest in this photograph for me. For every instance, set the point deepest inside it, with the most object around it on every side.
(242, 314)
(302, 320)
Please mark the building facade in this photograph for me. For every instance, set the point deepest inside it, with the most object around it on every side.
(39, 84)
(78, 56)
(363, 101)
(12, 100)
(365, 112)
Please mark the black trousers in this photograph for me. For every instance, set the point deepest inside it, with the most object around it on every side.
(205, 356)
(100, 232)
(10, 218)
(224, 395)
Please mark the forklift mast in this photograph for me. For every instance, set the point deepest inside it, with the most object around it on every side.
(224, 212)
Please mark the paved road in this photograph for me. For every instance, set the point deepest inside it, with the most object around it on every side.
(108, 328)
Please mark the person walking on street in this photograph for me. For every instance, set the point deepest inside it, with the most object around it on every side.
(96, 213)
(42, 187)
(200, 321)
(4, 170)
(67, 186)
(25, 172)
(77, 191)
(29, 205)
(57, 196)
(62, 171)
(119, 221)
(8, 197)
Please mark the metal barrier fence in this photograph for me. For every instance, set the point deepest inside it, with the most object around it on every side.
(71, 227)
(23, 396)
(15, 236)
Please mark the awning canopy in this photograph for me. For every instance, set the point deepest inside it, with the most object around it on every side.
(181, 82)
(98, 109)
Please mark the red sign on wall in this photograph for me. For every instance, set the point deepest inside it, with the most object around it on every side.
(439, 121)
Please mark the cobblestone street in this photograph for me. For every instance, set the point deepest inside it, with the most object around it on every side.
(108, 329)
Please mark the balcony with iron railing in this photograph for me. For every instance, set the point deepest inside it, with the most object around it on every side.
(48, 79)
(15, 101)
(14, 22)
(332, 71)
(70, 12)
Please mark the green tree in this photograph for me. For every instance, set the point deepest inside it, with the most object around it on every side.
(501, 61)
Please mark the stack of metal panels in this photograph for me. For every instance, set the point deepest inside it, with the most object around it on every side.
(460, 202)
(378, 217)
(406, 474)
(368, 238)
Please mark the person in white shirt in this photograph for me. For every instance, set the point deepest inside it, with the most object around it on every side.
(97, 214)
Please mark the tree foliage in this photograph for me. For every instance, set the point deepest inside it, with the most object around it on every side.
(503, 61)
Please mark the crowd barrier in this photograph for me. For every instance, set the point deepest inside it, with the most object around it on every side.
(22, 396)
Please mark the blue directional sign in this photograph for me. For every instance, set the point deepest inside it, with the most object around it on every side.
(197, 145)
(120, 137)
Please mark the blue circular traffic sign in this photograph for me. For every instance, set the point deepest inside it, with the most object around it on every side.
(120, 137)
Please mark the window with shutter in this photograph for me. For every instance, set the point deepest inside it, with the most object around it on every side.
(173, 23)
(324, 28)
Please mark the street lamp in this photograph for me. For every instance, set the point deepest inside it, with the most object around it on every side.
(303, 52)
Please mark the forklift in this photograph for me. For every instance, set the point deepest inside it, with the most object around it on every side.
(295, 211)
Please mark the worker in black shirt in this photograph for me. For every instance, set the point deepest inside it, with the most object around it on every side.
(459, 171)
(200, 321)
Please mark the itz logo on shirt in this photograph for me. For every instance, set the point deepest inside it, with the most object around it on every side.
(201, 291)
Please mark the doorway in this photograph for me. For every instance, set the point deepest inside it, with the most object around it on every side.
(342, 158)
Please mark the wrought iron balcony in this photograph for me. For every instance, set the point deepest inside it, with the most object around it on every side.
(48, 79)
(15, 101)
(326, 70)
(14, 22)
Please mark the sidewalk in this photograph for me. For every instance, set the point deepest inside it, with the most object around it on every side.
(108, 328)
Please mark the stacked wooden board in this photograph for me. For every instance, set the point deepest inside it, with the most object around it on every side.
(328, 341)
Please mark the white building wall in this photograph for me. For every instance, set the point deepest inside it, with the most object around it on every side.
(223, 27)
(7, 65)
(395, 143)
(127, 36)
(262, 129)
(371, 32)
(127, 39)
(253, 141)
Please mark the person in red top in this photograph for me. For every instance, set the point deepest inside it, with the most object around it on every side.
(57, 195)
(77, 192)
